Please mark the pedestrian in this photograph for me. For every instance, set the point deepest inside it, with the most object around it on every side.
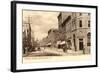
(65, 47)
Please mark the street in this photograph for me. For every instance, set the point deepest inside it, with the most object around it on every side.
(53, 52)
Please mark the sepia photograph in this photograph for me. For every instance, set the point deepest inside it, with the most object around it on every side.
(58, 34)
(48, 36)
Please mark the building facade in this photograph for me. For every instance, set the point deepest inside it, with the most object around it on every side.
(75, 27)
(52, 38)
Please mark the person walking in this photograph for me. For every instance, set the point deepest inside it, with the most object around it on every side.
(65, 48)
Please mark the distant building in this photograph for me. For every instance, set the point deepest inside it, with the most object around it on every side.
(75, 28)
(44, 41)
(52, 38)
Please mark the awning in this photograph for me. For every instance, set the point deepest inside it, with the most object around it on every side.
(63, 42)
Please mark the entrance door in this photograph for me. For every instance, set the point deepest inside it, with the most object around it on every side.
(80, 44)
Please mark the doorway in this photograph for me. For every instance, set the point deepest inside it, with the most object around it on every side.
(80, 44)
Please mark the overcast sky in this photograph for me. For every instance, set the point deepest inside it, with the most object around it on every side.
(41, 22)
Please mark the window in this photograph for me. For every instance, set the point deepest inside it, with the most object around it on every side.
(89, 39)
(80, 23)
(89, 23)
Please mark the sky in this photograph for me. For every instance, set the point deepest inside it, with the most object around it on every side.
(41, 22)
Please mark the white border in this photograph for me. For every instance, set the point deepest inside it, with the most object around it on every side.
(21, 66)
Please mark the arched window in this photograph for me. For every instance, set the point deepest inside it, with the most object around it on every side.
(89, 39)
